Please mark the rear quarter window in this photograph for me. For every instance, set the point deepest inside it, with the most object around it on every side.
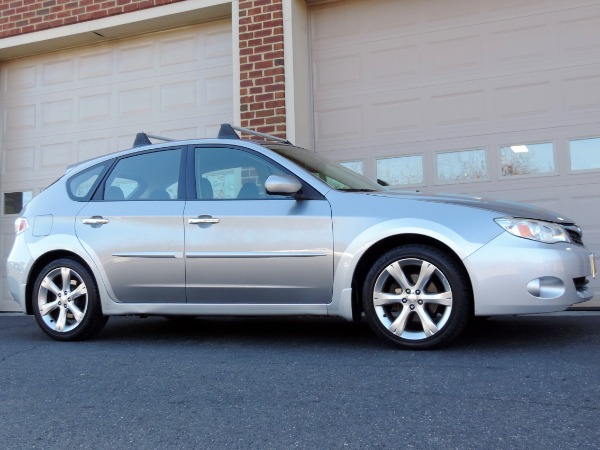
(81, 187)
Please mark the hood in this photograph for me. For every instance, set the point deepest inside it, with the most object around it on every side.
(505, 208)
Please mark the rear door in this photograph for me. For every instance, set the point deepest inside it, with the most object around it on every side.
(133, 228)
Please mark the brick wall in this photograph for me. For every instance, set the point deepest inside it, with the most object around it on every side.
(26, 16)
(262, 77)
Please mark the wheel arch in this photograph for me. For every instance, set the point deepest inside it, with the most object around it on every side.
(378, 248)
(40, 263)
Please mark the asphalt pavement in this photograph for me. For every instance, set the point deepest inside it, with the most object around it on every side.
(528, 382)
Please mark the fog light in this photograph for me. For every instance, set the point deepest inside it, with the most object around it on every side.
(546, 287)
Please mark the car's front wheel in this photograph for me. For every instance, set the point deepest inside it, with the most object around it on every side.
(417, 296)
(66, 303)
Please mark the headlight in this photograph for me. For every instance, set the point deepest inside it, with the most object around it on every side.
(536, 230)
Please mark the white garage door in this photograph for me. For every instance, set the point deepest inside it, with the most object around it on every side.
(500, 98)
(72, 105)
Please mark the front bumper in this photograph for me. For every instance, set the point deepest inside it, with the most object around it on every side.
(511, 275)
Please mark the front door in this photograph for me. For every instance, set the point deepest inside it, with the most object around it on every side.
(243, 245)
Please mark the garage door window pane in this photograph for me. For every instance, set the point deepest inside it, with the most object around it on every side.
(585, 154)
(401, 171)
(356, 166)
(14, 202)
(463, 165)
(527, 159)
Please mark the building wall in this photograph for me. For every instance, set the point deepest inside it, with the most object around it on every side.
(27, 16)
(262, 74)
(261, 45)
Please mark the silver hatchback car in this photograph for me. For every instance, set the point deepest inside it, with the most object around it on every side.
(232, 227)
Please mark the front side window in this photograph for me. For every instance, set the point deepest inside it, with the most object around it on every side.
(147, 176)
(232, 174)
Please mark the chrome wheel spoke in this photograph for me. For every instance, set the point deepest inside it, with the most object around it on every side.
(48, 307)
(62, 320)
(79, 291)
(429, 327)
(395, 270)
(398, 326)
(65, 274)
(427, 269)
(77, 313)
(382, 298)
(444, 298)
(49, 285)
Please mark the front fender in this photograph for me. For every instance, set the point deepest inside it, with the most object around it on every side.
(350, 257)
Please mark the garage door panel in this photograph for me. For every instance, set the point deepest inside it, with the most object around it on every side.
(453, 81)
(455, 50)
(578, 31)
(576, 90)
(76, 104)
(19, 79)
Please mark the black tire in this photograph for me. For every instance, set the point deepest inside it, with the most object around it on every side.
(66, 303)
(417, 297)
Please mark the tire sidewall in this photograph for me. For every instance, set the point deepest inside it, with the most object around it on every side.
(93, 319)
(459, 284)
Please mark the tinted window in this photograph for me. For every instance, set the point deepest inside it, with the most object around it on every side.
(147, 176)
(82, 186)
(230, 174)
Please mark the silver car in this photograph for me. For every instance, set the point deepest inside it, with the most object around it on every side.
(233, 227)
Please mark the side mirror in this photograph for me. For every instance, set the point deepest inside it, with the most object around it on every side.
(282, 185)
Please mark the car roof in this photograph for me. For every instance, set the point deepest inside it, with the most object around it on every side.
(227, 135)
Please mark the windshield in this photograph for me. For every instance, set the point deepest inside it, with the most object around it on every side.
(335, 175)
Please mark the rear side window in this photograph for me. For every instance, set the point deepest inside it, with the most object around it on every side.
(147, 176)
(81, 187)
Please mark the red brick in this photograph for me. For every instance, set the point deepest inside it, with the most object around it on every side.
(262, 33)
(263, 98)
(264, 64)
(256, 122)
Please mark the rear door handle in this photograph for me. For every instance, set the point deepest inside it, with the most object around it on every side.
(203, 219)
(95, 220)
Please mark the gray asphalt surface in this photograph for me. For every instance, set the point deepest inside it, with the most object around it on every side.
(521, 382)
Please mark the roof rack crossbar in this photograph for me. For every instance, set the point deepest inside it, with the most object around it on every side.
(160, 138)
(256, 133)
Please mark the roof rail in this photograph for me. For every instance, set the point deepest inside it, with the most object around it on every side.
(228, 131)
(142, 139)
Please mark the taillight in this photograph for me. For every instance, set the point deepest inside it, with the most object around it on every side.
(21, 225)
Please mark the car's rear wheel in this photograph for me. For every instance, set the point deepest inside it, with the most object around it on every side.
(418, 297)
(66, 303)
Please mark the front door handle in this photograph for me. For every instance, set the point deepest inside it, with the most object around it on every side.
(203, 219)
(95, 220)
